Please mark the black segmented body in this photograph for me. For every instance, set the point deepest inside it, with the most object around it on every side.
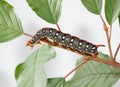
(65, 41)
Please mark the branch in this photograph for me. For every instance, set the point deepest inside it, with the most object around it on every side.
(27, 34)
(58, 27)
(102, 20)
(116, 52)
(110, 31)
(111, 63)
(108, 37)
(76, 68)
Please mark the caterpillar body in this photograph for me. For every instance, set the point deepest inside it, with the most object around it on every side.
(64, 40)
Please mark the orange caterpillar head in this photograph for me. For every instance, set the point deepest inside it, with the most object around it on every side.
(29, 43)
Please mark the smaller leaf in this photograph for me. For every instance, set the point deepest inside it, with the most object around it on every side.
(10, 25)
(93, 6)
(31, 73)
(56, 82)
(112, 9)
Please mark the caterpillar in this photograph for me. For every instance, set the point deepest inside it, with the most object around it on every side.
(64, 40)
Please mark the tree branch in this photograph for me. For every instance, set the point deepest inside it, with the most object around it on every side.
(108, 37)
(111, 63)
(110, 31)
(27, 34)
(116, 52)
(58, 27)
(76, 68)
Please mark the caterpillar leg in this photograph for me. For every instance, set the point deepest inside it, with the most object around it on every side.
(95, 56)
(32, 45)
(87, 58)
(46, 40)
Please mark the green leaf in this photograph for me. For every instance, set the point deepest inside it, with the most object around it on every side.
(112, 9)
(31, 73)
(119, 19)
(94, 74)
(10, 25)
(49, 10)
(93, 6)
(56, 82)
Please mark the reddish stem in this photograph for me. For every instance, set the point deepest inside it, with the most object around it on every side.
(75, 69)
(108, 37)
(116, 52)
(109, 46)
(102, 19)
(111, 63)
(110, 31)
(27, 34)
(58, 27)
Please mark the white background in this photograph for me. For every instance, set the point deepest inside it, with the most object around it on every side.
(75, 19)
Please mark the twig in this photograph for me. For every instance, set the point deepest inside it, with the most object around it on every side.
(109, 46)
(58, 27)
(108, 37)
(110, 31)
(75, 69)
(102, 19)
(111, 63)
(116, 52)
(27, 34)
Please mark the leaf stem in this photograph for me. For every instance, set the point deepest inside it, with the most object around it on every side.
(116, 52)
(27, 34)
(108, 37)
(58, 27)
(110, 31)
(109, 46)
(102, 19)
(75, 69)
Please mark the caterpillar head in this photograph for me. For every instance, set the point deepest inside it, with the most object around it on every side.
(29, 43)
(36, 39)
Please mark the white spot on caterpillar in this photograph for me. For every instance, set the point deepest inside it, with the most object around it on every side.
(80, 43)
(86, 49)
(71, 44)
(51, 31)
(93, 48)
(71, 40)
(79, 47)
(92, 51)
(63, 37)
(38, 33)
(57, 34)
(87, 46)
(43, 31)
